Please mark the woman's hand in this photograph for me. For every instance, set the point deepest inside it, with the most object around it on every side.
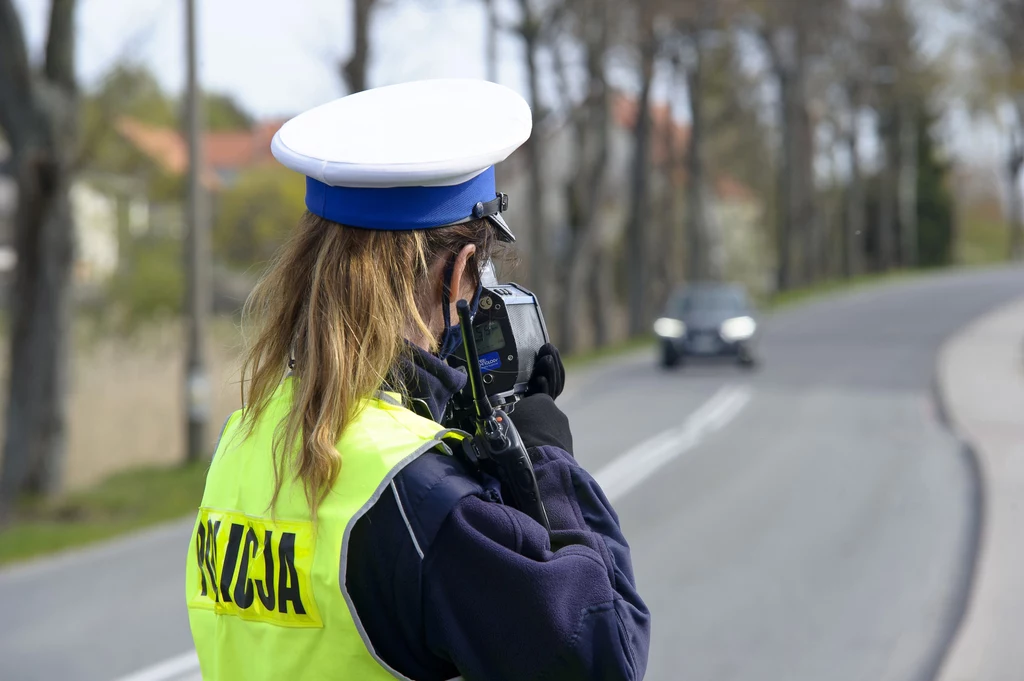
(548, 375)
(541, 423)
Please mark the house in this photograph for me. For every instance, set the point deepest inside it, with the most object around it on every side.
(95, 213)
(226, 153)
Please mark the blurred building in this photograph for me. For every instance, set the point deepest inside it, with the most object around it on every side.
(96, 227)
(226, 153)
(145, 202)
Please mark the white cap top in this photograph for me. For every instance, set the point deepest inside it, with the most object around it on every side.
(430, 133)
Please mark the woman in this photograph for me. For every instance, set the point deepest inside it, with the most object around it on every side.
(338, 537)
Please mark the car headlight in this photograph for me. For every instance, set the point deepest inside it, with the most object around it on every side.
(738, 328)
(669, 328)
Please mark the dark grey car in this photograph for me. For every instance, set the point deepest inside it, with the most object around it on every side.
(707, 320)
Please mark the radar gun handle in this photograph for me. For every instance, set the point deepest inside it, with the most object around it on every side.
(496, 439)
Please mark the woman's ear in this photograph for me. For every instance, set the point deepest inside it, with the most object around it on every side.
(463, 283)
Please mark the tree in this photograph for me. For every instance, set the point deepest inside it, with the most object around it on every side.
(896, 81)
(935, 208)
(592, 135)
(639, 214)
(493, 30)
(792, 34)
(253, 215)
(354, 70)
(126, 91)
(850, 71)
(694, 25)
(224, 113)
(994, 83)
(1003, 21)
(531, 30)
(38, 114)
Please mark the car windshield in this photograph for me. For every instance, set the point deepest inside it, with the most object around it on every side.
(711, 300)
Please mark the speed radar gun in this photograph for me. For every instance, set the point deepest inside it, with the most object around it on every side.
(495, 446)
(509, 330)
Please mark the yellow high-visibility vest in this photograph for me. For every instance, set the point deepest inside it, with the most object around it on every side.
(266, 593)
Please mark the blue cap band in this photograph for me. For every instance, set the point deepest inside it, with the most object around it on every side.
(399, 208)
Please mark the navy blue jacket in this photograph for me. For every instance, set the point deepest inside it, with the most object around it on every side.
(446, 581)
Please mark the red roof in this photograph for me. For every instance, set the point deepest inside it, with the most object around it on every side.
(223, 151)
(163, 145)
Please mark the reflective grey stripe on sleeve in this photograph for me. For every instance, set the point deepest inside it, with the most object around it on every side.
(408, 526)
(343, 567)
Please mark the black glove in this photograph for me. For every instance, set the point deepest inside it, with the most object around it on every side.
(540, 422)
(548, 375)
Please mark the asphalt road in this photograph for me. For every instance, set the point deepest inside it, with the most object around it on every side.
(809, 520)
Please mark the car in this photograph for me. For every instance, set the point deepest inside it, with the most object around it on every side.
(707, 319)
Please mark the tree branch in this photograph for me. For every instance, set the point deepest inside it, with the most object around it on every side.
(15, 76)
(60, 45)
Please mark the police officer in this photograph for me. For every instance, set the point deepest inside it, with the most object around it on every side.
(338, 538)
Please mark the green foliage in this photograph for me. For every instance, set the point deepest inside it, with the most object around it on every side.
(125, 502)
(132, 90)
(128, 91)
(936, 208)
(151, 285)
(256, 214)
(224, 113)
(935, 204)
(982, 236)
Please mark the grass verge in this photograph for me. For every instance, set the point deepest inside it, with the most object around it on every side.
(124, 502)
(823, 289)
(581, 359)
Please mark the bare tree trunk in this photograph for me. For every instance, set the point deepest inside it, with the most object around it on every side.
(798, 231)
(780, 47)
(809, 225)
(675, 250)
(887, 199)
(492, 41)
(636, 228)
(601, 295)
(38, 116)
(853, 242)
(536, 232)
(354, 70)
(1014, 165)
(593, 139)
(704, 245)
(908, 184)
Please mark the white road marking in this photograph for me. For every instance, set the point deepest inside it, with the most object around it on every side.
(639, 463)
(616, 479)
(175, 668)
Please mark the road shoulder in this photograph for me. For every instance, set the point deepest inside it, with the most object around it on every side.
(981, 384)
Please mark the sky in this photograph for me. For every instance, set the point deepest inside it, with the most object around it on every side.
(280, 57)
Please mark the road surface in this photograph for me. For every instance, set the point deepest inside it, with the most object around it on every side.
(810, 520)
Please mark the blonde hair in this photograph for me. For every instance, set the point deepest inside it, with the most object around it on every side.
(344, 301)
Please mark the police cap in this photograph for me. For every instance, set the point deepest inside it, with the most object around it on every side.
(411, 156)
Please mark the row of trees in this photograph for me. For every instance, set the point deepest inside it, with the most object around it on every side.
(823, 109)
(785, 96)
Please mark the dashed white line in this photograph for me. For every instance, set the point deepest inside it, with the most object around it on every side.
(175, 668)
(639, 463)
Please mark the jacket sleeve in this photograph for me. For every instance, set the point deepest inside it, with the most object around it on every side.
(502, 600)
